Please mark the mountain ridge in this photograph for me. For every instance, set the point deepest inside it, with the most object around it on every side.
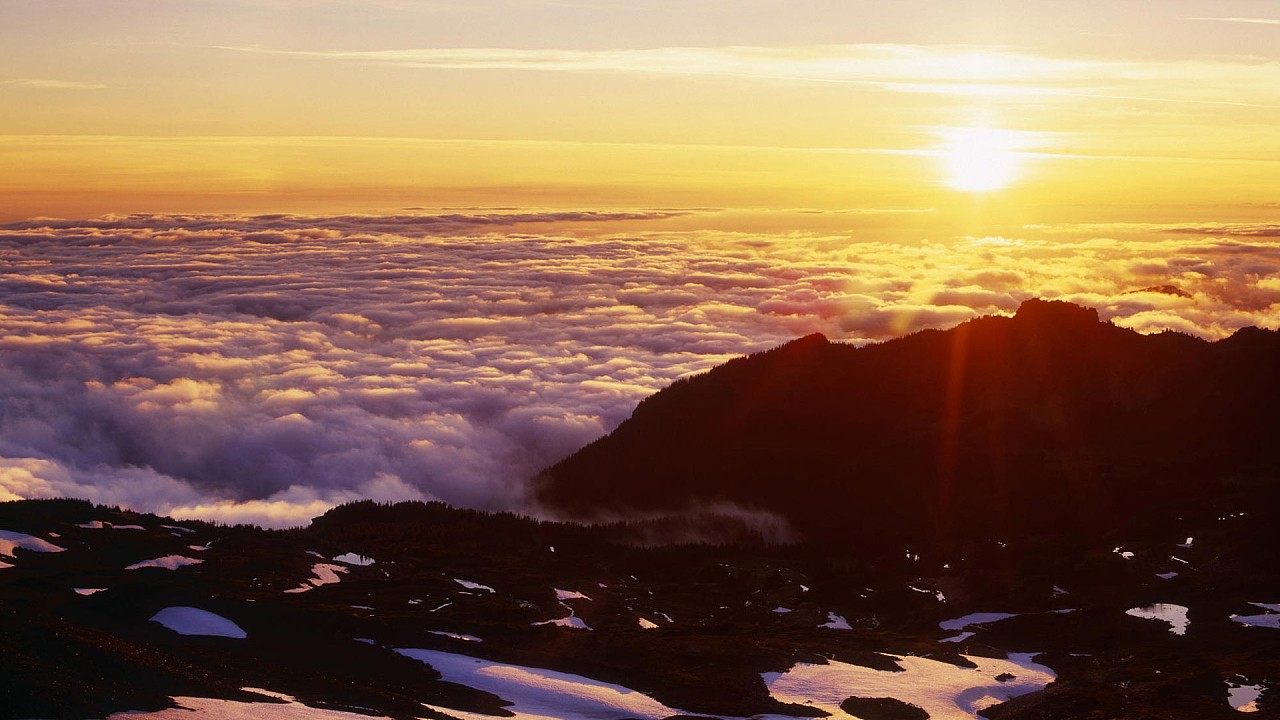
(1045, 423)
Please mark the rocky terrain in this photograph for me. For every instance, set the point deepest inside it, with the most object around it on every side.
(379, 609)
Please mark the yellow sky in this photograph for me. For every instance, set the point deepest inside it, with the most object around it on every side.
(971, 117)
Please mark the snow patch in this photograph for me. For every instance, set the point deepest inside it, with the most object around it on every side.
(168, 562)
(10, 541)
(1267, 620)
(979, 618)
(945, 691)
(179, 528)
(324, 574)
(781, 610)
(354, 559)
(570, 595)
(457, 636)
(647, 624)
(89, 591)
(959, 638)
(537, 694)
(193, 708)
(194, 621)
(473, 585)
(836, 622)
(937, 594)
(1243, 697)
(1175, 615)
(127, 527)
(571, 621)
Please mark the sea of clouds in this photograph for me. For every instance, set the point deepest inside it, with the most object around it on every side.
(265, 368)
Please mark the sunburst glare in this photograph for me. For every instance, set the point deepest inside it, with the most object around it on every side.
(980, 159)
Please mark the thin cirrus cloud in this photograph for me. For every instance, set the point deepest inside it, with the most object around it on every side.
(1245, 20)
(872, 64)
(265, 368)
(46, 84)
(962, 70)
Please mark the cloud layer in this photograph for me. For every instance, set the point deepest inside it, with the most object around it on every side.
(262, 369)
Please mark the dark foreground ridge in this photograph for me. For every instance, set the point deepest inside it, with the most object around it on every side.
(322, 614)
(1048, 424)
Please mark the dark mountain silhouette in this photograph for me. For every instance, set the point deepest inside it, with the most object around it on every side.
(1048, 424)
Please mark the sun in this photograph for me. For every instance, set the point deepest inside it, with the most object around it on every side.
(979, 159)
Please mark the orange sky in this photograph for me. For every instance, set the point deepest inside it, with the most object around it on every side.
(1092, 112)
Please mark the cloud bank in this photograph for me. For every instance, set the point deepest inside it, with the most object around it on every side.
(264, 368)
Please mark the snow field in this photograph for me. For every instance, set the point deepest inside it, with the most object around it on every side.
(194, 621)
(945, 691)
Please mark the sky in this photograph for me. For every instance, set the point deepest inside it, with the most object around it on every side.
(1131, 109)
(259, 258)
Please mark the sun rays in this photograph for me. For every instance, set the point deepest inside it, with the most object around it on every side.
(980, 159)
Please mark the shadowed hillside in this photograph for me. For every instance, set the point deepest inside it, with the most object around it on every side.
(1048, 424)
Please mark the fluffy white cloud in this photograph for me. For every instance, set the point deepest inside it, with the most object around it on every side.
(262, 369)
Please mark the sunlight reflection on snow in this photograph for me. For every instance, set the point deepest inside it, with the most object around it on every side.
(945, 691)
(536, 694)
(1175, 615)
